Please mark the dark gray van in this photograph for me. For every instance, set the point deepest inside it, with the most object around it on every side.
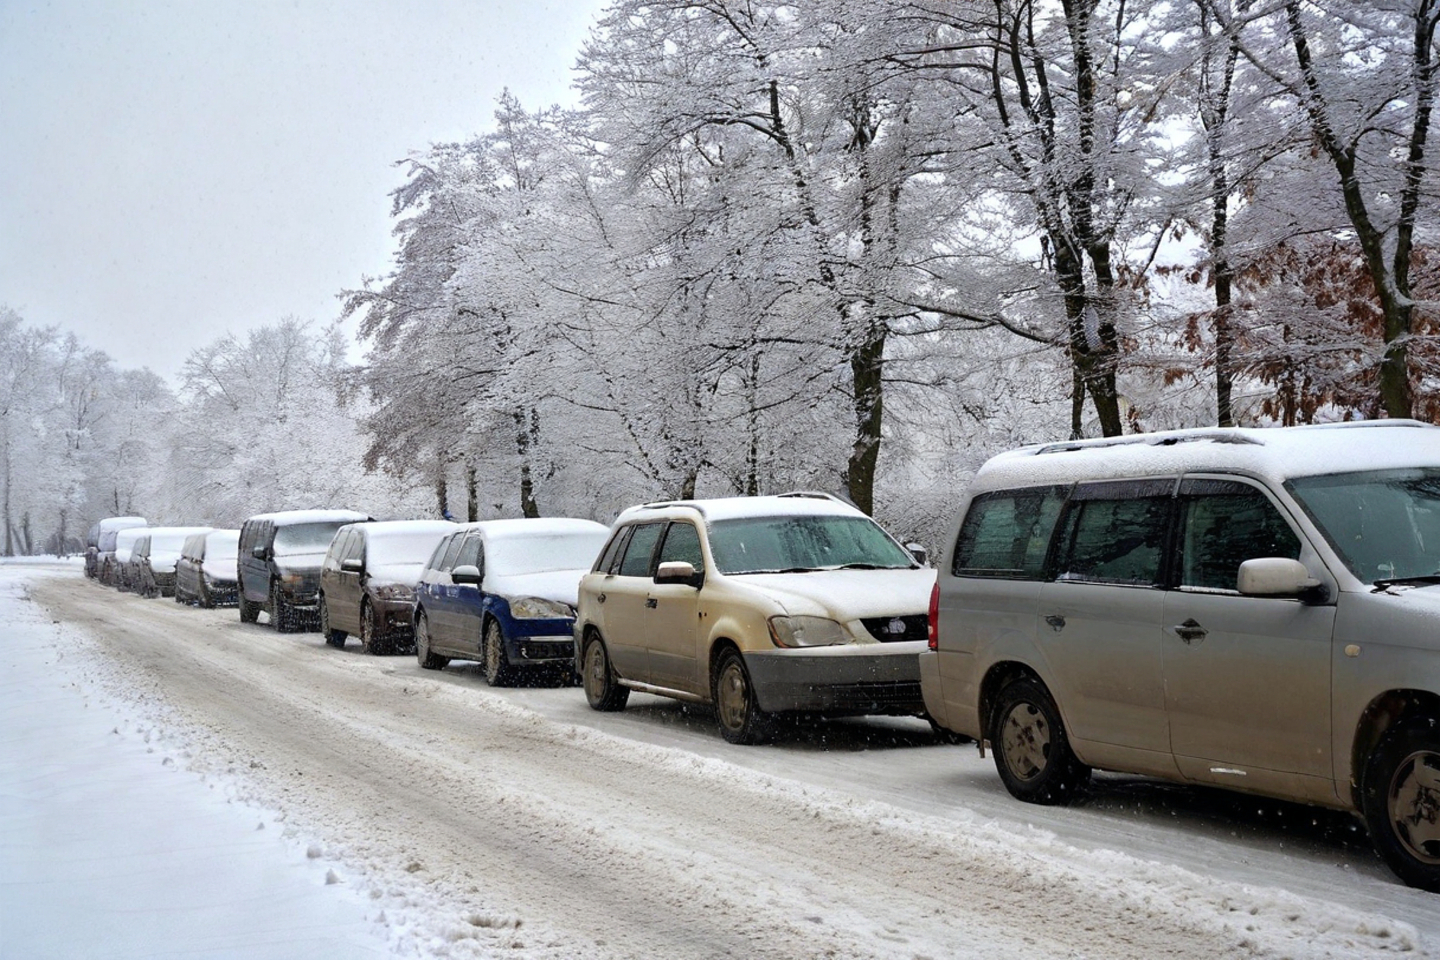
(278, 567)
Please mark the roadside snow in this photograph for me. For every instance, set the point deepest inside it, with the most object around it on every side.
(111, 848)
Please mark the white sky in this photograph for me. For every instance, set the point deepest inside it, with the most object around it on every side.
(171, 171)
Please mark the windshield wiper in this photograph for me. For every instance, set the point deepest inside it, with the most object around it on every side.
(865, 566)
(781, 570)
(1429, 579)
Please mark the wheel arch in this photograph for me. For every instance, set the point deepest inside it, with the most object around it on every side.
(1388, 711)
(719, 645)
(998, 677)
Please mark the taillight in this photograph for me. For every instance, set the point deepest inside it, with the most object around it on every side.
(935, 616)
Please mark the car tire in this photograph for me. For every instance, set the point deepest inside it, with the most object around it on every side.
(428, 660)
(282, 617)
(249, 612)
(203, 598)
(371, 640)
(1400, 800)
(736, 709)
(498, 672)
(602, 688)
(1032, 751)
(335, 638)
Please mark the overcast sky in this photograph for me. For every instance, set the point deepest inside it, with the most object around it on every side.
(171, 171)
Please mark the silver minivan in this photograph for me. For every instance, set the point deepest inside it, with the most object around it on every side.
(1251, 609)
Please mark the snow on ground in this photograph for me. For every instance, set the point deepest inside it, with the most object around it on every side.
(632, 835)
(111, 848)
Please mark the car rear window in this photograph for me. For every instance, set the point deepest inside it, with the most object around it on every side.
(1007, 533)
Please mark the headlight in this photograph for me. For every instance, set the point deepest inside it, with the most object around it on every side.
(538, 608)
(394, 591)
(806, 632)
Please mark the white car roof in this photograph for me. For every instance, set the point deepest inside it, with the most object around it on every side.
(730, 508)
(129, 535)
(180, 531)
(121, 523)
(532, 527)
(1275, 454)
(311, 516)
(404, 527)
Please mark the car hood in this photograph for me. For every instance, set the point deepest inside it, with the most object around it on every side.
(559, 585)
(403, 574)
(299, 562)
(164, 560)
(219, 569)
(846, 594)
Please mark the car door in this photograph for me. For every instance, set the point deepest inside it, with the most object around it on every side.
(1247, 678)
(441, 596)
(1099, 627)
(468, 600)
(625, 596)
(671, 614)
(345, 614)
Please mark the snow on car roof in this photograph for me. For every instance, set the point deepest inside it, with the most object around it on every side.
(121, 523)
(732, 508)
(174, 531)
(1273, 453)
(311, 516)
(398, 528)
(129, 535)
(533, 527)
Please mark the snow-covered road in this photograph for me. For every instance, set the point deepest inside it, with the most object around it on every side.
(518, 823)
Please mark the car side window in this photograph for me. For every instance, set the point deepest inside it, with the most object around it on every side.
(1006, 534)
(355, 546)
(1115, 533)
(606, 563)
(682, 542)
(1223, 523)
(639, 550)
(451, 552)
(469, 554)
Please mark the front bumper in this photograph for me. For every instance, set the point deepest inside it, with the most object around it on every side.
(222, 591)
(394, 617)
(868, 679)
(542, 649)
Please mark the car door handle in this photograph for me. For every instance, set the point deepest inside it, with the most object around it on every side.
(650, 603)
(600, 599)
(1190, 631)
(1056, 621)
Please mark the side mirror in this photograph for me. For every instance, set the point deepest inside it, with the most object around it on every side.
(1277, 577)
(921, 555)
(678, 571)
(352, 565)
(468, 573)
(258, 553)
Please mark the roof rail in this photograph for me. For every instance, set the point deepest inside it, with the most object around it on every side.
(816, 495)
(666, 504)
(1149, 440)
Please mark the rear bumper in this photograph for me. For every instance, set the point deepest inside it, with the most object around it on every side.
(878, 679)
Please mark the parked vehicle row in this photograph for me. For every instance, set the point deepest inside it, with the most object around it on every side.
(1245, 609)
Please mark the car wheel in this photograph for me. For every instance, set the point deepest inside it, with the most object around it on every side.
(498, 672)
(370, 636)
(428, 660)
(282, 618)
(741, 719)
(602, 688)
(1401, 801)
(249, 612)
(1032, 752)
(203, 598)
(335, 638)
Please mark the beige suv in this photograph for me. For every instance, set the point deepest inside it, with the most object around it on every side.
(1249, 609)
(759, 605)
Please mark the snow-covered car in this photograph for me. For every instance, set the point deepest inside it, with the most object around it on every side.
(1254, 610)
(503, 592)
(100, 541)
(152, 561)
(367, 581)
(205, 572)
(106, 569)
(278, 567)
(758, 605)
(117, 568)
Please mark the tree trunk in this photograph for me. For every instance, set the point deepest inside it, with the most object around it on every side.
(472, 495)
(442, 501)
(526, 430)
(867, 366)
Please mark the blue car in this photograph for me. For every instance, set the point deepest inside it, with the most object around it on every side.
(503, 593)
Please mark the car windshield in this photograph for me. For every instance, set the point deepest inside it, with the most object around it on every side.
(795, 544)
(542, 552)
(306, 537)
(1384, 524)
(409, 547)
